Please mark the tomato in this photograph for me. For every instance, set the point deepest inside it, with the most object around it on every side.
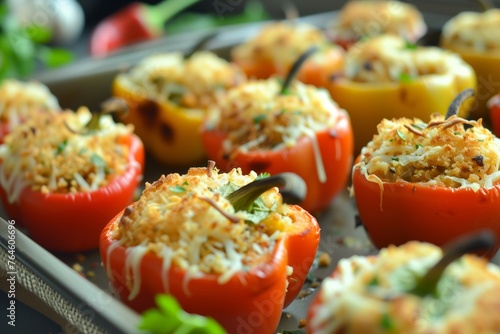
(249, 302)
(402, 211)
(335, 148)
(73, 222)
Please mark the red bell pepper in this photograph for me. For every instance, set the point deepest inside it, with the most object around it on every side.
(250, 301)
(71, 222)
(136, 22)
(404, 208)
(494, 107)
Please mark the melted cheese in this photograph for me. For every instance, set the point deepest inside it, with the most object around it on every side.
(44, 154)
(365, 291)
(174, 218)
(447, 154)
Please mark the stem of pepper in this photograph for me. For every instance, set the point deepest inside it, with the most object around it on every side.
(427, 284)
(486, 4)
(293, 190)
(295, 69)
(457, 102)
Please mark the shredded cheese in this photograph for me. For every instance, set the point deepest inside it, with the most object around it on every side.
(359, 19)
(473, 32)
(442, 153)
(18, 100)
(47, 153)
(369, 295)
(174, 219)
(193, 83)
(389, 58)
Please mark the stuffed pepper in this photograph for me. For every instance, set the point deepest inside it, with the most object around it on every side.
(386, 77)
(20, 99)
(64, 175)
(261, 126)
(168, 96)
(225, 245)
(430, 181)
(475, 37)
(276, 47)
(369, 18)
(394, 292)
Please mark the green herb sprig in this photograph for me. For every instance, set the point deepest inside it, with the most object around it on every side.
(23, 48)
(169, 317)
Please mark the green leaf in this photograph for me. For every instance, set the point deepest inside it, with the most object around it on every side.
(177, 189)
(97, 160)
(410, 46)
(406, 78)
(54, 57)
(61, 146)
(228, 188)
(386, 322)
(259, 118)
(169, 317)
(38, 34)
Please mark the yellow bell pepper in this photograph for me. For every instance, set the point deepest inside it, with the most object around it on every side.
(384, 77)
(168, 97)
(475, 37)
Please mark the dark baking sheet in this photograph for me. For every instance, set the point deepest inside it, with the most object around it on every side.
(88, 82)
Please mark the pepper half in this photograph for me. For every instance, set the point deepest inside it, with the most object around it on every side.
(248, 300)
(274, 50)
(168, 97)
(431, 181)
(474, 37)
(385, 77)
(302, 131)
(68, 221)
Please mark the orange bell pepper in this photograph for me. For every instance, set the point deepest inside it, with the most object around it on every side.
(274, 50)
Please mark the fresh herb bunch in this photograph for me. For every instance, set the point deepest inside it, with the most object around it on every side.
(169, 317)
(23, 49)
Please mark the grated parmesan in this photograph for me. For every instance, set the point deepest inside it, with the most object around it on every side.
(369, 295)
(472, 31)
(18, 100)
(442, 152)
(174, 219)
(195, 82)
(44, 154)
(358, 19)
(280, 43)
(389, 58)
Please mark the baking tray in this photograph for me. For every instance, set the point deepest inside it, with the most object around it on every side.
(80, 278)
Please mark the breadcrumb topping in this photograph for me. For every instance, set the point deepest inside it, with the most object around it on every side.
(180, 217)
(19, 99)
(359, 19)
(194, 83)
(451, 152)
(472, 31)
(281, 43)
(255, 116)
(388, 58)
(369, 295)
(45, 154)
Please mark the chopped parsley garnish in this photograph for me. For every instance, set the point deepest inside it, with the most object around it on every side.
(406, 78)
(97, 160)
(395, 159)
(177, 189)
(62, 146)
(259, 118)
(386, 322)
(410, 46)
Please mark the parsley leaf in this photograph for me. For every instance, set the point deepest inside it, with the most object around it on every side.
(61, 146)
(169, 317)
(177, 189)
